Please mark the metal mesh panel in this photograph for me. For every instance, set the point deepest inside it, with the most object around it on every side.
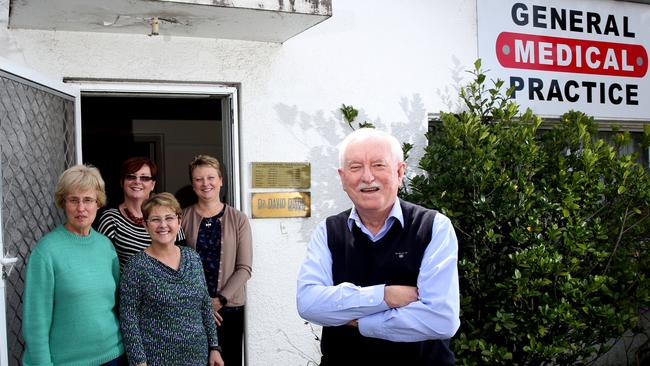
(37, 145)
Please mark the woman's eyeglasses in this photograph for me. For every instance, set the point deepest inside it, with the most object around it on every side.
(141, 178)
(76, 201)
(156, 220)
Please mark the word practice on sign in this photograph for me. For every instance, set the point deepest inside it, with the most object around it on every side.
(625, 61)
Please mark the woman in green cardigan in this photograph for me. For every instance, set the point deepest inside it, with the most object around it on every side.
(71, 281)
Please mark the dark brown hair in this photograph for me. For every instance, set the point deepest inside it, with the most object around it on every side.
(133, 164)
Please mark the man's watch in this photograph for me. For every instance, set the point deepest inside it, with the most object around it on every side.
(222, 299)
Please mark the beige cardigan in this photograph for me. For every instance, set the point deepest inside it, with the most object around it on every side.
(236, 251)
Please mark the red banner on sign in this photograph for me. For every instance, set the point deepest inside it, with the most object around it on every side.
(533, 52)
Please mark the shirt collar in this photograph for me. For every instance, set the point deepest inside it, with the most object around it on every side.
(395, 214)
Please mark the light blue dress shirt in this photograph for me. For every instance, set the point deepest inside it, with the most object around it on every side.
(434, 316)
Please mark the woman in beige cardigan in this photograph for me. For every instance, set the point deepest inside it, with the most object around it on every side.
(222, 237)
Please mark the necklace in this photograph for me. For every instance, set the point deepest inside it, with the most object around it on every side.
(211, 211)
(136, 220)
(208, 220)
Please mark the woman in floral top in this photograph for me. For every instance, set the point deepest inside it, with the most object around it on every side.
(166, 312)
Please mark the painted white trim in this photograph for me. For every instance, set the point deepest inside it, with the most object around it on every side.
(234, 104)
(4, 347)
(38, 78)
(153, 87)
(118, 87)
(77, 128)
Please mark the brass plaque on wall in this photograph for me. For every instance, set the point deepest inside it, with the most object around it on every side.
(281, 204)
(281, 175)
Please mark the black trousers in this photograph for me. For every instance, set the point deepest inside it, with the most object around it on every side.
(231, 334)
(345, 346)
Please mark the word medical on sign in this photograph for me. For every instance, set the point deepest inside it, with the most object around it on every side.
(580, 56)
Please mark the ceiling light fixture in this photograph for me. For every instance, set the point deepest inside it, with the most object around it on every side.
(155, 26)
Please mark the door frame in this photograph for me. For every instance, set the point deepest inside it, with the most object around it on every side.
(33, 78)
(230, 101)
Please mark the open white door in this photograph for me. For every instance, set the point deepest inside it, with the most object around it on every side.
(39, 139)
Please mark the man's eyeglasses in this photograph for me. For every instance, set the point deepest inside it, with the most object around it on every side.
(142, 178)
(157, 220)
(86, 201)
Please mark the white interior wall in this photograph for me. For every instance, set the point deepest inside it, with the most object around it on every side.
(395, 61)
(183, 141)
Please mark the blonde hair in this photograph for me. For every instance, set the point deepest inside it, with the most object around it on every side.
(363, 134)
(80, 178)
(202, 160)
(164, 199)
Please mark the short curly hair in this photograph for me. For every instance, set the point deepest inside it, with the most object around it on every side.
(205, 160)
(80, 178)
(164, 199)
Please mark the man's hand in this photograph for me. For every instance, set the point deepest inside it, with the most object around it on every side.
(397, 296)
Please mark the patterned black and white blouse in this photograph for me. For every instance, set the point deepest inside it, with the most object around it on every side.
(127, 237)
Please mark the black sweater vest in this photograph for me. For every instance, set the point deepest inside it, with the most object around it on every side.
(393, 260)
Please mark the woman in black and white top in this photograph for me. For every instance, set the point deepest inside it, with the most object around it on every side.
(124, 224)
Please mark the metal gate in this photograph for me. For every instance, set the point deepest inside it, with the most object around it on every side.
(37, 143)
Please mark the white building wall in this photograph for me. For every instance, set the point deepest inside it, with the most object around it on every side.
(395, 61)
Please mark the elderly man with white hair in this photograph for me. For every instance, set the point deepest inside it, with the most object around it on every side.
(381, 277)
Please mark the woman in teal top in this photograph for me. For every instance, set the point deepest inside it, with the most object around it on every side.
(72, 276)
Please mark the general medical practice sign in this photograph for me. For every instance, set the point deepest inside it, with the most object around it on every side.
(586, 55)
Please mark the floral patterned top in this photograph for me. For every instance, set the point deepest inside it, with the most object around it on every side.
(166, 314)
(208, 245)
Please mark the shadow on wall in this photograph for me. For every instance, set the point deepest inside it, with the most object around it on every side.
(327, 196)
(449, 94)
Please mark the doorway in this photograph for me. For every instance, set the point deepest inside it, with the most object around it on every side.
(168, 130)
(170, 124)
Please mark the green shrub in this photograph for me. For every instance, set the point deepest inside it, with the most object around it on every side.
(553, 226)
